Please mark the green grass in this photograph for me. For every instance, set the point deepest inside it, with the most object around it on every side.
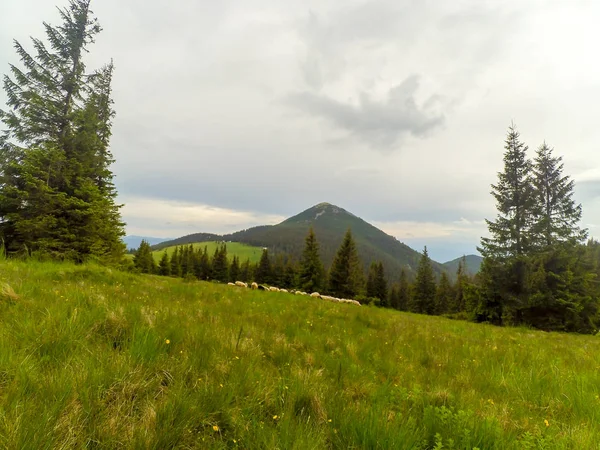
(242, 251)
(95, 358)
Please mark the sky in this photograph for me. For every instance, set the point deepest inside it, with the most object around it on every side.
(238, 113)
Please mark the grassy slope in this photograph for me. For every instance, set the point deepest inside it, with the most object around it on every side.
(93, 357)
(242, 251)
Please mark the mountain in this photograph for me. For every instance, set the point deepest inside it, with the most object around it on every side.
(330, 223)
(473, 264)
(135, 241)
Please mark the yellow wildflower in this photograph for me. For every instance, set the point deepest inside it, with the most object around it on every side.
(216, 427)
(546, 422)
(275, 417)
(167, 341)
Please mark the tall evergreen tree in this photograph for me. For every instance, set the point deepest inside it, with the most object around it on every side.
(176, 263)
(404, 298)
(263, 271)
(234, 269)
(346, 278)
(220, 266)
(460, 286)
(143, 259)
(511, 231)
(376, 283)
(245, 271)
(312, 273)
(556, 216)
(164, 265)
(290, 275)
(444, 296)
(56, 190)
(423, 298)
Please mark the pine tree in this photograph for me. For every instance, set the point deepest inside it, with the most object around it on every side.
(234, 269)
(245, 271)
(143, 259)
(220, 268)
(511, 231)
(556, 215)
(423, 298)
(346, 278)
(56, 191)
(394, 297)
(164, 265)
(460, 286)
(312, 273)
(290, 276)
(376, 283)
(444, 296)
(176, 263)
(263, 273)
(404, 298)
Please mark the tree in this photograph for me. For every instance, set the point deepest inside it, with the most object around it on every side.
(57, 196)
(423, 299)
(176, 263)
(220, 268)
(515, 200)
(404, 299)
(312, 273)
(376, 283)
(458, 303)
(556, 216)
(234, 269)
(245, 271)
(143, 259)
(164, 265)
(263, 271)
(290, 274)
(345, 276)
(444, 296)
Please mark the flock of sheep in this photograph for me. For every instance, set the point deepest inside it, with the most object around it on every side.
(262, 287)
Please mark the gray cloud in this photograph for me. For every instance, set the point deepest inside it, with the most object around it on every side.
(379, 123)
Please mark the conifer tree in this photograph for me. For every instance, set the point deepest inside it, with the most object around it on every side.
(394, 297)
(234, 269)
(556, 216)
(376, 283)
(57, 196)
(143, 259)
(245, 271)
(176, 263)
(205, 266)
(220, 268)
(404, 298)
(444, 296)
(263, 271)
(460, 286)
(290, 275)
(312, 274)
(511, 233)
(346, 278)
(164, 265)
(423, 296)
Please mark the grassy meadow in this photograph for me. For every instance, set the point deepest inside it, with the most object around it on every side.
(91, 357)
(242, 251)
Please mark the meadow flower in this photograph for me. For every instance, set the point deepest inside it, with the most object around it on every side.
(275, 417)
(546, 422)
(215, 427)
(167, 341)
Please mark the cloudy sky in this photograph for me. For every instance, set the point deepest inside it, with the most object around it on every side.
(243, 112)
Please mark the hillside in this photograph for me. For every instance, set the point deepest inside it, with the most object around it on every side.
(473, 264)
(330, 222)
(91, 357)
(242, 251)
(135, 241)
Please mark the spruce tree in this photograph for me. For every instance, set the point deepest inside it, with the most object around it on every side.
(511, 234)
(234, 269)
(290, 276)
(404, 298)
(245, 271)
(444, 296)
(460, 286)
(312, 273)
(57, 196)
(143, 259)
(263, 271)
(376, 283)
(205, 266)
(556, 215)
(164, 265)
(176, 263)
(423, 298)
(346, 278)
(220, 268)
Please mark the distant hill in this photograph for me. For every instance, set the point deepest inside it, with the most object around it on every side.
(473, 264)
(188, 239)
(135, 241)
(330, 222)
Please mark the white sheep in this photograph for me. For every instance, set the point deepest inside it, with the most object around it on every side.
(241, 284)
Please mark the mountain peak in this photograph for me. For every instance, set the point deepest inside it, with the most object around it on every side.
(319, 212)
